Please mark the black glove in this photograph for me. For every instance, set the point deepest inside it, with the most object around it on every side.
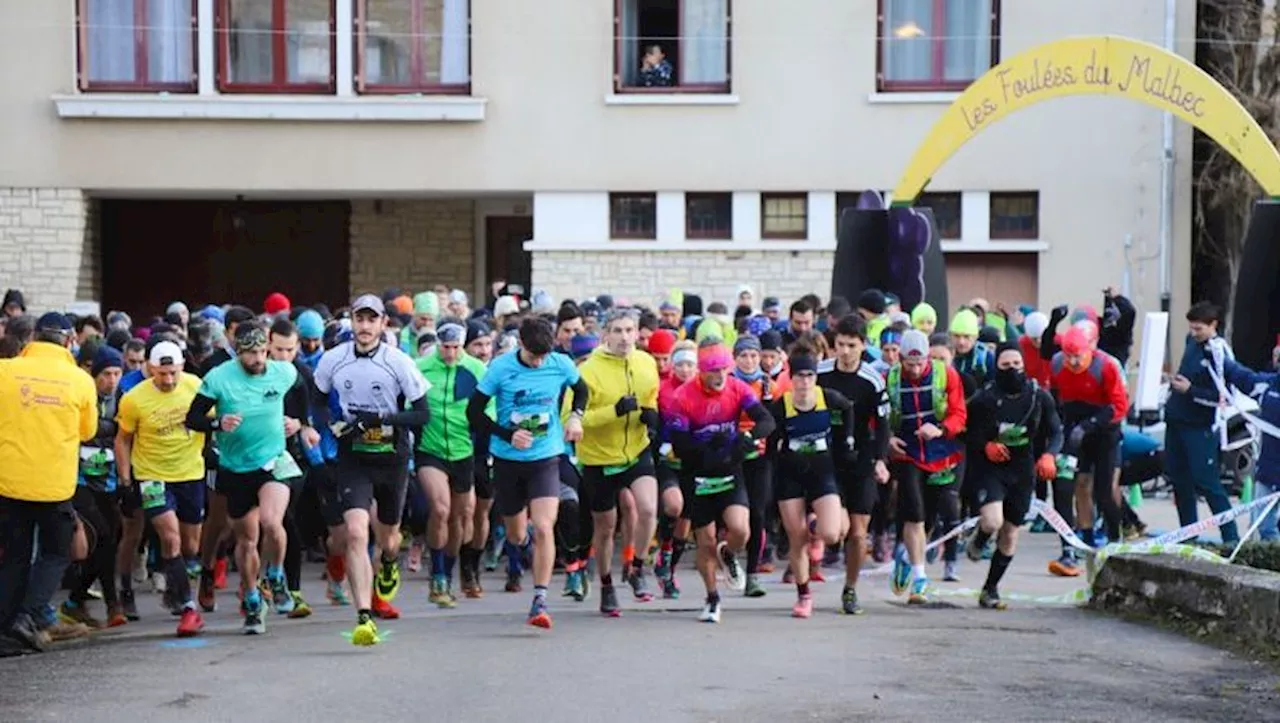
(650, 418)
(1058, 314)
(626, 405)
(746, 445)
(367, 420)
(1074, 440)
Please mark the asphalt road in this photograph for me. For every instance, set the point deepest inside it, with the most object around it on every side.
(480, 662)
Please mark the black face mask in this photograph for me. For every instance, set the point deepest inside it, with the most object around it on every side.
(1011, 381)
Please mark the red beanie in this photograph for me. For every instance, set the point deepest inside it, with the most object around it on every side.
(662, 342)
(276, 302)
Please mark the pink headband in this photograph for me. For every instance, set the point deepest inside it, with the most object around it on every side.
(714, 358)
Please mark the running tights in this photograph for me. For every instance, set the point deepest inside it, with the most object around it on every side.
(759, 478)
(942, 514)
(100, 511)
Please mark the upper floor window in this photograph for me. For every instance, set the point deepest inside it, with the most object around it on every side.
(784, 215)
(1015, 214)
(936, 44)
(946, 212)
(633, 215)
(133, 45)
(671, 46)
(414, 45)
(276, 46)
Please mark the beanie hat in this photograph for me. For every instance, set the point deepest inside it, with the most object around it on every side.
(771, 340)
(692, 305)
(714, 357)
(746, 343)
(802, 363)
(475, 330)
(915, 345)
(662, 342)
(275, 303)
(426, 303)
(119, 320)
(117, 338)
(1084, 312)
(709, 328)
(12, 297)
(890, 336)
(310, 325)
(1075, 341)
(757, 325)
(872, 300)
(989, 335)
(923, 313)
(401, 305)
(583, 344)
(178, 307)
(965, 322)
(214, 313)
(106, 358)
(1036, 323)
(770, 303)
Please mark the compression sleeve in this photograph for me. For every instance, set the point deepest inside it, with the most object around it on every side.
(415, 416)
(198, 419)
(480, 422)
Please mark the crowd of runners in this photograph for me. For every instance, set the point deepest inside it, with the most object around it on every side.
(409, 432)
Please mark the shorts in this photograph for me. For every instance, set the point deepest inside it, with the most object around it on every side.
(185, 499)
(570, 480)
(667, 478)
(1012, 483)
(857, 485)
(461, 473)
(703, 510)
(240, 489)
(810, 482)
(321, 479)
(910, 491)
(605, 487)
(516, 484)
(357, 485)
(484, 479)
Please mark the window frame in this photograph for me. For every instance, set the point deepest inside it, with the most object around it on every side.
(365, 88)
(936, 83)
(783, 235)
(279, 61)
(680, 87)
(1006, 235)
(921, 200)
(725, 234)
(614, 234)
(140, 55)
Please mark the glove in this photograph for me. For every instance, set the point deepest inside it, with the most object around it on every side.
(1059, 313)
(650, 418)
(997, 452)
(367, 420)
(746, 445)
(626, 405)
(1046, 467)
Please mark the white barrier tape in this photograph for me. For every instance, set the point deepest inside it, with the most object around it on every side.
(1059, 525)
(1256, 522)
(1228, 403)
(959, 529)
(1194, 529)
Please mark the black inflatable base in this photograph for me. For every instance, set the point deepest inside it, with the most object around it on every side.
(862, 260)
(1256, 316)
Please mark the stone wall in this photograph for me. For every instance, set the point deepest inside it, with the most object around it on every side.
(45, 248)
(714, 275)
(412, 244)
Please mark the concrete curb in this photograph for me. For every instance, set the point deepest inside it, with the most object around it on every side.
(1238, 605)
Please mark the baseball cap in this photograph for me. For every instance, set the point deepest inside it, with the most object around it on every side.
(368, 302)
(53, 321)
(915, 345)
(166, 352)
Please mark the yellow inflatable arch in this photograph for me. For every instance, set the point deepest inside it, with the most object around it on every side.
(1096, 65)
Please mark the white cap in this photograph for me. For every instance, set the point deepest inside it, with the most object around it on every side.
(457, 296)
(166, 352)
(1035, 324)
(915, 345)
(506, 306)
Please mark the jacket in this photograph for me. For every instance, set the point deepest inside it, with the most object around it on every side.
(97, 456)
(1097, 393)
(1267, 469)
(610, 439)
(1037, 367)
(913, 404)
(48, 406)
(447, 434)
(1196, 407)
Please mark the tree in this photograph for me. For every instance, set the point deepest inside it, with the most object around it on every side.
(1238, 43)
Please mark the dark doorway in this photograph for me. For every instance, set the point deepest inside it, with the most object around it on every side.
(505, 257)
(202, 252)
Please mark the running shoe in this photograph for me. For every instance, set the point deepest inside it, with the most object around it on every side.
(365, 634)
(445, 600)
(158, 583)
(387, 582)
(220, 574)
(573, 585)
(383, 609)
(129, 605)
(74, 613)
(336, 593)
(950, 572)
(972, 549)
(300, 607)
(754, 588)
(1064, 566)
(586, 572)
(670, 589)
(990, 600)
(280, 596)
(206, 594)
(803, 607)
(140, 568)
(789, 576)
(609, 602)
(116, 617)
(414, 561)
(662, 564)
(538, 615)
(710, 613)
(467, 579)
(900, 579)
(849, 602)
(919, 591)
(254, 620)
(514, 582)
(931, 555)
(815, 571)
(437, 589)
(732, 569)
(640, 585)
(191, 623)
(493, 554)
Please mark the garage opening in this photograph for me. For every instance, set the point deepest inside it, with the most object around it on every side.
(1008, 278)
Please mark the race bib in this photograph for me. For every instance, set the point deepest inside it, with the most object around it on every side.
(285, 468)
(613, 469)
(537, 424)
(1067, 465)
(814, 446)
(96, 461)
(1012, 435)
(942, 477)
(152, 494)
(375, 440)
(712, 485)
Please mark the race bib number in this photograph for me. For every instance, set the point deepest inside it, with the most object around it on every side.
(96, 462)
(712, 485)
(285, 468)
(152, 494)
(537, 424)
(376, 440)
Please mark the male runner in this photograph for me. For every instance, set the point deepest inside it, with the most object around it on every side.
(622, 406)
(672, 533)
(861, 472)
(526, 441)
(703, 426)
(253, 466)
(375, 381)
(1017, 423)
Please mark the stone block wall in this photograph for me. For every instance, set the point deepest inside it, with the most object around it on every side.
(714, 275)
(412, 244)
(46, 247)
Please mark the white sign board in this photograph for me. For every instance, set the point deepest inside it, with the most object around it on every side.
(1148, 395)
(84, 308)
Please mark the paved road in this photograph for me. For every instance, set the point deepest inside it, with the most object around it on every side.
(481, 663)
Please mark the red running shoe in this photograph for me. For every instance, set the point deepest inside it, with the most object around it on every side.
(220, 574)
(191, 624)
(383, 609)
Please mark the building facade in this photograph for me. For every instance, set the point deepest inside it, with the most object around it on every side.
(218, 150)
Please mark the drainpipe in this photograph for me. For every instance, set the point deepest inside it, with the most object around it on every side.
(1166, 174)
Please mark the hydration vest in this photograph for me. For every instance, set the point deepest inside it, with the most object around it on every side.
(938, 382)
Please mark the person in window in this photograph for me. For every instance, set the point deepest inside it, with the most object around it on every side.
(655, 69)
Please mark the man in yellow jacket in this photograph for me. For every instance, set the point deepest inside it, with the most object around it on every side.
(48, 406)
(622, 405)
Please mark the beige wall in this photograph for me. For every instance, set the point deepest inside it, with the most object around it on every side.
(45, 249)
(412, 245)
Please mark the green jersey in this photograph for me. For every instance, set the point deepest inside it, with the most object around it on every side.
(447, 434)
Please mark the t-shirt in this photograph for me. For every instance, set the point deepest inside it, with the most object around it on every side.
(164, 450)
(381, 381)
(529, 398)
(259, 400)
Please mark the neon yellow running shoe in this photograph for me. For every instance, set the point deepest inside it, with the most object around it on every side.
(365, 634)
(387, 582)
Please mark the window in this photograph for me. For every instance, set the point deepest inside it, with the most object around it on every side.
(708, 215)
(784, 215)
(633, 215)
(414, 45)
(133, 45)
(936, 44)
(275, 46)
(946, 212)
(671, 46)
(1015, 215)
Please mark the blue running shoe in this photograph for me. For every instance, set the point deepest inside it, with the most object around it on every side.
(901, 576)
(919, 591)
